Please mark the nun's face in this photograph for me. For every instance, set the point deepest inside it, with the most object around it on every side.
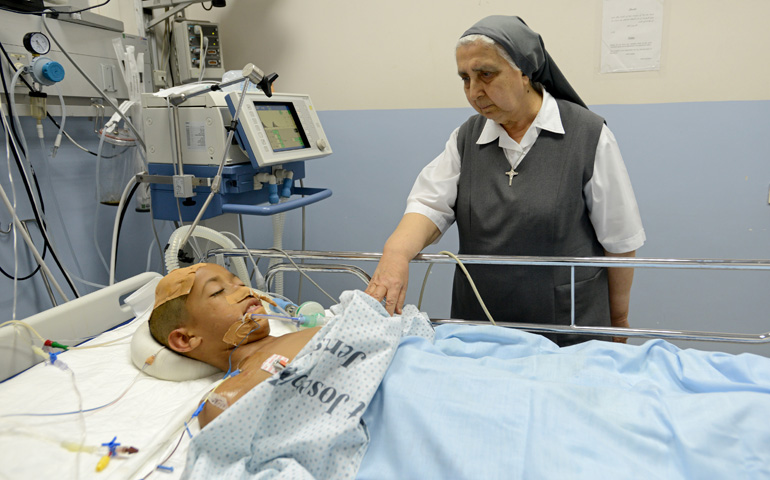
(492, 86)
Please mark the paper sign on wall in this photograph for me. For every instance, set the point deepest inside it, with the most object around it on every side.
(632, 33)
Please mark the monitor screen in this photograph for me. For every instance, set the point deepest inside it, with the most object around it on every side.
(282, 125)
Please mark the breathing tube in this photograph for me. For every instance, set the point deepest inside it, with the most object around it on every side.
(307, 315)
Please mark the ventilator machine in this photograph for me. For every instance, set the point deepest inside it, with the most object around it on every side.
(261, 149)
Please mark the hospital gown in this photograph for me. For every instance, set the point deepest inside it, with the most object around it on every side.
(305, 422)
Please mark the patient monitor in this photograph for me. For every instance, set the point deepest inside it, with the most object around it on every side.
(280, 129)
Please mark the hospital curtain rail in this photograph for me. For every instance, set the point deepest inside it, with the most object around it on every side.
(572, 262)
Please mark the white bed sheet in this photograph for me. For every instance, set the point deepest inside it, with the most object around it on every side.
(150, 416)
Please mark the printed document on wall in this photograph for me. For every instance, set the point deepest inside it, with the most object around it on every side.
(632, 32)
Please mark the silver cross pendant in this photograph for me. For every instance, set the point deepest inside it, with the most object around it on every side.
(512, 173)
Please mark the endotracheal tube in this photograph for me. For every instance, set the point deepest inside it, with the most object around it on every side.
(305, 321)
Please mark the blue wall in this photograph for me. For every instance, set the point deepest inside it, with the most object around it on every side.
(699, 170)
(68, 184)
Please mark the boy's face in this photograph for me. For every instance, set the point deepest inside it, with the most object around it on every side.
(212, 313)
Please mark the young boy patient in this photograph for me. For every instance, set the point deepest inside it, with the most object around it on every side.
(199, 312)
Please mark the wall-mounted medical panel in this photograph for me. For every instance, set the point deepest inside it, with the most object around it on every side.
(91, 47)
(197, 52)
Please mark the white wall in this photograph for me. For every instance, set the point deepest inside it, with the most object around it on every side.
(366, 54)
(123, 10)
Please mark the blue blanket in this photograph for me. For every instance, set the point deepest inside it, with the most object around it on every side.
(491, 403)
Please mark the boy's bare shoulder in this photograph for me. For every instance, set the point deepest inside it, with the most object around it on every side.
(251, 371)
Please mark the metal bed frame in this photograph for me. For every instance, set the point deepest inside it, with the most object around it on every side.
(572, 262)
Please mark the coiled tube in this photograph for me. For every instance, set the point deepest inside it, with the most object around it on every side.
(172, 260)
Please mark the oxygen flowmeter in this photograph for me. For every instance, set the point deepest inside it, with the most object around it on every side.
(43, 70)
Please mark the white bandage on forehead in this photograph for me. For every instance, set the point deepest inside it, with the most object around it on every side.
(177, 283)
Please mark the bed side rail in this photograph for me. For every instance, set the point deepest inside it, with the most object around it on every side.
(750, 338)
(319, 268)
(82, 317)
(572, 262)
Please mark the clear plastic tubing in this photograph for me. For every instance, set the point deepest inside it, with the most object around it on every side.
(301, 321)
(296, 321)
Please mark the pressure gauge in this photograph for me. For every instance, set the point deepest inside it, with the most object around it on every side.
(37, 43)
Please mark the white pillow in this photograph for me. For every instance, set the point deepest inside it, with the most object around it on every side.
(168, 365)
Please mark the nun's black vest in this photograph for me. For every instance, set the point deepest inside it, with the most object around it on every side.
(541, 213)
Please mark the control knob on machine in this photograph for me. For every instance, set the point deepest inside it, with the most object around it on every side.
(46, 71)
(321, 144)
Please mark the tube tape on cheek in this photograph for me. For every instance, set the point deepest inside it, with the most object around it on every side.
(238, 331)
(264, 298)
(244, 292)
(238, 295)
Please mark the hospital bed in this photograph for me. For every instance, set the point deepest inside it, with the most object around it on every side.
(39, 428)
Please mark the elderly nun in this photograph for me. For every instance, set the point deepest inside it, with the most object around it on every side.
(534, 173)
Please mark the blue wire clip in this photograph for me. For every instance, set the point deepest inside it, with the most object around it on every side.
(187, 428)
(105, 460)
(54, 359)
(111, 445)
(198, 410)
